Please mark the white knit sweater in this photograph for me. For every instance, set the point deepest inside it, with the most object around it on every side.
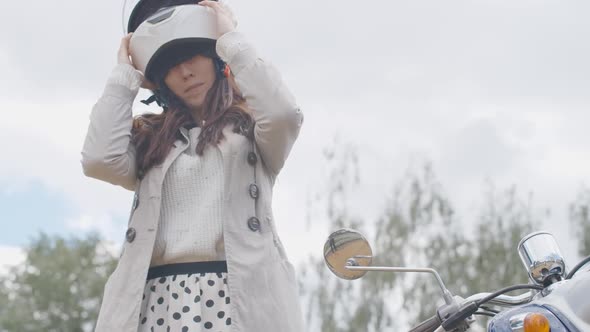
(190, 228)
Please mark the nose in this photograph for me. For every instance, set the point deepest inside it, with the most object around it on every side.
(185, 70)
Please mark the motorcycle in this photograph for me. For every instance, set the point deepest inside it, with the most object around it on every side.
(556, 300)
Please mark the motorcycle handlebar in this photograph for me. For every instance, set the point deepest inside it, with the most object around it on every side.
(429, 325)
(503, 300)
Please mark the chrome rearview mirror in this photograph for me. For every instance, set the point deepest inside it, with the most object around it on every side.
(347, 247)
(542, 258)
(349, 256)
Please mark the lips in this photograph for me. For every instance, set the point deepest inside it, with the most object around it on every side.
(193, 87)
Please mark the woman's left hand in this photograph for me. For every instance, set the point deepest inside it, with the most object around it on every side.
(226, 22)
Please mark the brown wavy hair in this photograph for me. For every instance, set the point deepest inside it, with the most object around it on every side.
(154, 134)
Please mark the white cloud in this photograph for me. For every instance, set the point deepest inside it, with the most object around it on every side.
(102, 224)
(489, 89)
(48, 151)
(10, 256)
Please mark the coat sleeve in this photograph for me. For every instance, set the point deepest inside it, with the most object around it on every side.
(277, 117)
(108, 153)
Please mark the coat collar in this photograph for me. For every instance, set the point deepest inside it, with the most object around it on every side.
(227, 148)
(184, 133)
(224, 147)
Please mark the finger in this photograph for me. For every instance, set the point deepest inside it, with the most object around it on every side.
(123, 54)
(219, 9)
(226, 7)
(123, 48)
(220, 3)
(211, 4)
(125, 41)
(127, 38)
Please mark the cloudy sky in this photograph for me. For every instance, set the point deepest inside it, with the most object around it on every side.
(485, 90)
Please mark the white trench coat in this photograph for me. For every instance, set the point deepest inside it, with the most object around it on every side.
(261, 280)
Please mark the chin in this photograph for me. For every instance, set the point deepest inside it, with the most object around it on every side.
(192, 104)
(195, 105)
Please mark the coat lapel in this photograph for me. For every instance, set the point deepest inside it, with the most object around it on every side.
(177, 149)
(227, 151)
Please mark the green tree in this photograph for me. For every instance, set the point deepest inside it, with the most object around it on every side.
(580, 219)
(418, 228)
(504, 221)
(494, 262)
(329, 296)
(58, 288)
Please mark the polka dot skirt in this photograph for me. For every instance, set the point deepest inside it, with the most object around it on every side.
(186, 302)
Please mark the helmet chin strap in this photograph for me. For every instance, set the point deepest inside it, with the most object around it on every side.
(156, 97)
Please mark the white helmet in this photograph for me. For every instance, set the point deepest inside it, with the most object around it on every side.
(170, 36)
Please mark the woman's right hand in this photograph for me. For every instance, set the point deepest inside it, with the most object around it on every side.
(124, 58)
(123, 55)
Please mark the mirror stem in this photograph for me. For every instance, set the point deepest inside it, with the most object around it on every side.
(446, 293)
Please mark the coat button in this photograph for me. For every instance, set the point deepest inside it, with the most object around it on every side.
(252, 158)
(135, 201)
(130, 234)
(254, 224)
(254, 191)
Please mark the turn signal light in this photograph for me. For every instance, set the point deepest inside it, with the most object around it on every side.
(535, 322)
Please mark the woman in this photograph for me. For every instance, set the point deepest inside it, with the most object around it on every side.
(201, 251)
